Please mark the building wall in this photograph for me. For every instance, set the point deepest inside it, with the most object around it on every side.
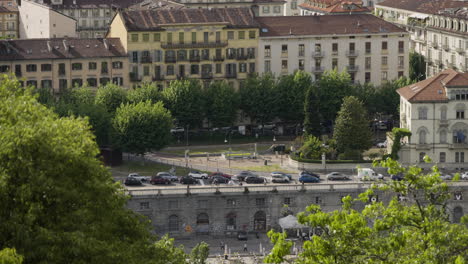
(39, 21)
(318, 62)
(69, 75)
(9, 25)
(91, 22)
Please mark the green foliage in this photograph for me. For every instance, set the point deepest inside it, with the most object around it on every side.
(281, 247)
(312, 113)
(352, 133)
(415, 230)
(290, 93)
(257, 97)
(45, 96)
(165, 252)
(142, 127)
(398, 134)
(417, 67)
(9, 256)
(200, 253)
(186, 102)
(312, 148)
(111, 96)
(222, 103)
(332, 88)
(145, 92)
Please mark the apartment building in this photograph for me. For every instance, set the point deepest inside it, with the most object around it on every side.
(332, 7)
(438, 30)
(434, 111)
(65, 62)
(370, 49)
(9, 19)
(205, 44)
(41, 21)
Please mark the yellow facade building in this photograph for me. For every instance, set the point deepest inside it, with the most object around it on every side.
(9, 19)
(62, 63)
(204, 44)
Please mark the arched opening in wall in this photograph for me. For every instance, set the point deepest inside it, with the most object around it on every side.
(260, 221)
(231, 221)
(203, 223)
(457, 214)
(173, 223)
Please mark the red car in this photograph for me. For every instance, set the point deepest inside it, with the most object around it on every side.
(220, 174)
(159, 180)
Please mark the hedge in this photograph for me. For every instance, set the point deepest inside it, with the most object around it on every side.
(299, 159)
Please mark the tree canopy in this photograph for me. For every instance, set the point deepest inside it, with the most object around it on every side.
(111, 96)
(333, 86)
(290, 93)
(222, 104)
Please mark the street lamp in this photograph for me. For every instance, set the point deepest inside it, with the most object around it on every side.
(229, 153)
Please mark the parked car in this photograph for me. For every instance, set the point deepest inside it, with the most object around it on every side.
(302, 173)
(446, 177)
(279, 173)
(278, 178)
(244, 174)
(218, 179)
(220, 174)
(464, 176)
(241, 235)
(308, 178)
(382, 144)
(198, 175)
(132, 181)
(255, 179)
(168, 175)
(336, 176)
(159, 180)
(188, 180)
(397, 177)
(141, 178)
(177, 130)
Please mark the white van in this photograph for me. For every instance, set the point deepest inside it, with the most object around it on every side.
(366, 174)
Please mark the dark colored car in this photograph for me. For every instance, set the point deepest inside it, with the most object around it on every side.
(159, 180)
(221, 174)
(132, 181)
(188, 180)
(242, 235)
(398, 177)
(254, 179)
(309, 173)
(244, 174)
(308, 178)
(218, 179)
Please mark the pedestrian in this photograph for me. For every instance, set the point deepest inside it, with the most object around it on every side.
(245, 247)
(222, 245)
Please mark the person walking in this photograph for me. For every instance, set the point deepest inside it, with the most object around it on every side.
(245, 247)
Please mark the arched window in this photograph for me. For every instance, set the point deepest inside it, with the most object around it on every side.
(203, 219)
(443, 136)
(173, 223)
(422, 136)
(231, 221)
(421, 156)
(260, 221)
(457, 214)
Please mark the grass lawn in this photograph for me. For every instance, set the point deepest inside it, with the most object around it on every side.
(375, 151)
(194, 150)
(269, 168)
(146, 168)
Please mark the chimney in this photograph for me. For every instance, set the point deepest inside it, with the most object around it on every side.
(49, 47)
(65, 44)
(105, 44)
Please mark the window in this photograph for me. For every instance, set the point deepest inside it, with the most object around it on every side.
(301, 65)
(46, 67)
(284, 49)
(241, 34)
(194, 69)
(401, 46)
(32, 83)
(218, 37)
(145, 37)
(251, 67)
(219, 68)
(277, 9)
(144, 205)
(146, 70)
(134, 57)
(367, 77)
(460, 114)
(77, 66)
(231, 202)
(157, 36)
(206, 37)
(92, 82)
(335, 63)
(422, 137)
(384, 76)
(287, 201)
(46, 83)
(170, 70)
(384, 46)
(260, 201)
(266, 9)
(284, 65)
(6, 68)
(368, 63)
(443, 136)
(252, 34)
(104, 69)
(230, 35)
(384, 61)
(231, 221)
(117, 65)
(301, 50)
(92, 66)
(459, 157)
(422, 113)
(267, 66)
(400, 74)
(169, 37)
(368, 48)
(134, 37)
(442, 157)
(267, 51)
(173, 223)
(31, 67)
(401, 61)
(242, 67)
(352, 47)
(293, 5)
(421, 156)
(181, 37)
(335, 48)
(318, 200)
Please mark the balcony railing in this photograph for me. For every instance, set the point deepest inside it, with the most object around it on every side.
(423, 146)
(170, 59)
(438, 62)
(134, 77)
(433, 44)
(195, 58)
(352, 68)
(443, 123)
(460, 50)
(146, 59)
(158, 77)
(197, 45)
(242, 57)
(206, 75)
(458, 146)
(317, 69)
(318, 54)
(446, 47)
(218, 58)
(352, 53)
(231, 74)
(231, 56)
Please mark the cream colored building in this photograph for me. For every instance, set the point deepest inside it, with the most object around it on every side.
(435, 111)
(41, 21)
(9, 19)
(439, 30)
(64, 62)
(204, 44)
(370, 49)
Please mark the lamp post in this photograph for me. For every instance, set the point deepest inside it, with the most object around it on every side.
(229, 153)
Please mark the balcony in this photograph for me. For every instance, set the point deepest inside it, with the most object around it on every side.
(352, 53)
(180, 76)
(318, 54)
(458, 146)
(317, 69)
(158, 77)
(195, 58)
(134, 77)
(207, 75)
(242, 57)
(205, 57)
(433, 44)
(196, 45)
(446, 47)
(352, 68)
(170, 59)
(20, 74)
(218, 58)
(438, 62)
(423, 146)
(231, 56)
(60, 73)
(146, 59)
(460, 50)
(231, 74)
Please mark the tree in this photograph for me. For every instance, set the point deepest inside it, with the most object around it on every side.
(417, 67)
(290, 92)
(142, 127)
(332, 88)
(415, 229)
(185, 100)
(258, 98)
(222, 104)
(111, 96)
(147, 91)
(388, 98)
(352, 133)
(9, 256)
(58, 204)
(200, 253)
(312, 114)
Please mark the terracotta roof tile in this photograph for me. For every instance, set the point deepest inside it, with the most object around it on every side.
(325, 25)
(424, 6)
